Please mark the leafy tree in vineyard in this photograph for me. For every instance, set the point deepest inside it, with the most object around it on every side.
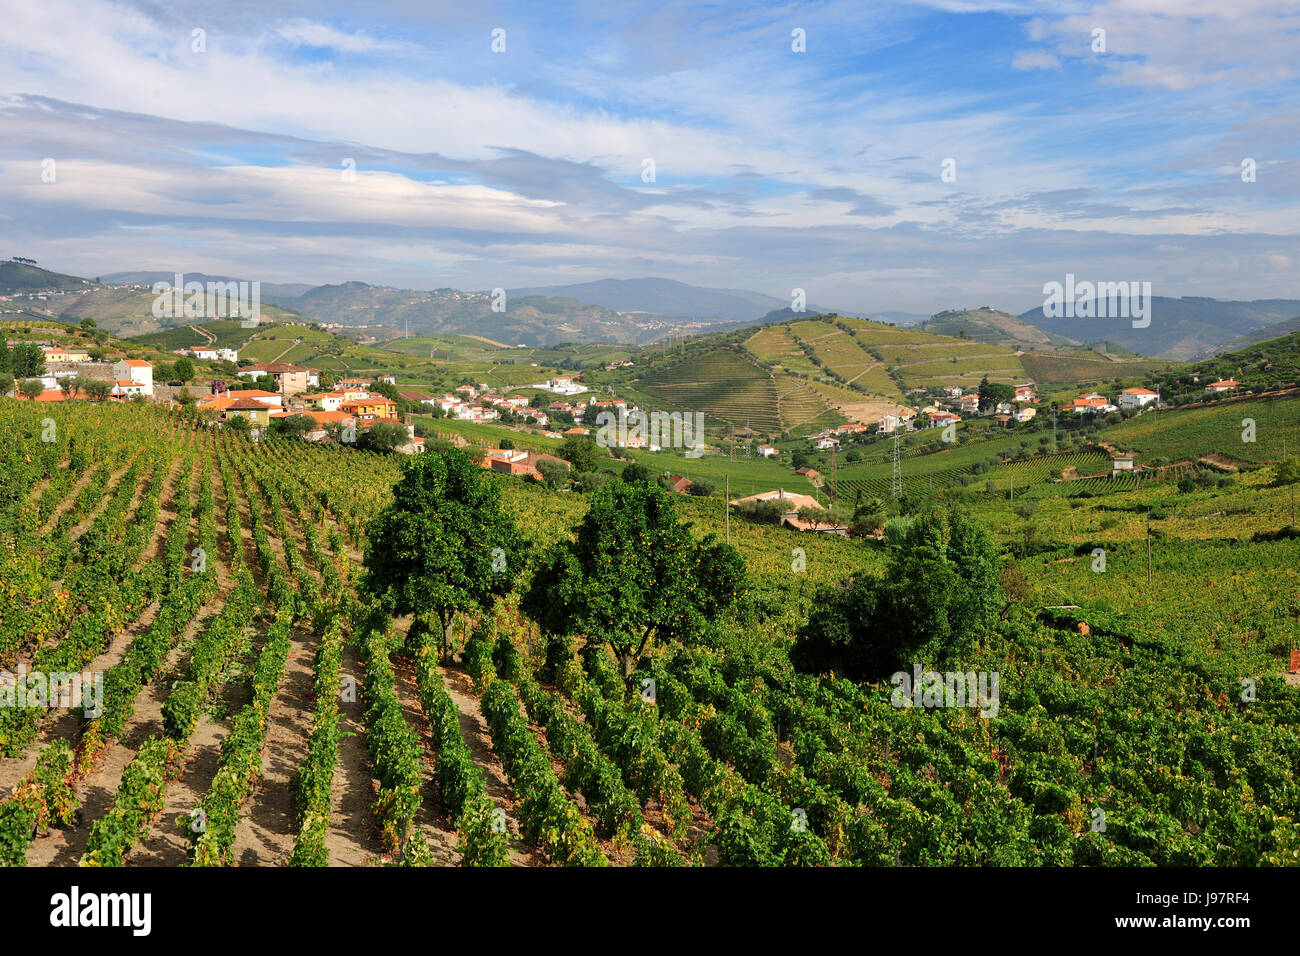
(443, 544)
(940, 591)
(633, 574)
(384, 436)
(582, 452)
(97, 389)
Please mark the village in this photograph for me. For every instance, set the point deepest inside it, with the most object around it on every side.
(318, 407)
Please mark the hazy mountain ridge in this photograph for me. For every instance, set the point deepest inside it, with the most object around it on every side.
(1180, 328)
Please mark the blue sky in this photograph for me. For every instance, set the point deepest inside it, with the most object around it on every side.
(774, 169)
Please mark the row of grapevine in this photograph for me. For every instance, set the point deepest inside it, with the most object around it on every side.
(481, 834)
(241, 750)
(549, 819)
(314, 778)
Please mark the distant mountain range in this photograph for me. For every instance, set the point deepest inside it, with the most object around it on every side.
(638, 311)
(1186, 328)
(667, 298)
(613, 310)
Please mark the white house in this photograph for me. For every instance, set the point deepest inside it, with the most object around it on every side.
(125, 388)
(204, 354)
(827, 443)
(326, 401)
(1024, 414)
(562, 385)
(135, 370)
(766, 451)
(1121, 463)
(228, 355)
(1225, 385)
(1136, 397)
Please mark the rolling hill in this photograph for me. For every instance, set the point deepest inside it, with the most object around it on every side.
(23, 277)
(988, 325)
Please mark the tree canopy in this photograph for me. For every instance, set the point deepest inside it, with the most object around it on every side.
(443, 544)
(633, 574)
(937, 595)
(993, 394)
(582, 452)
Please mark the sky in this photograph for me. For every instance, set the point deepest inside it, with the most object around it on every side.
(878, 155)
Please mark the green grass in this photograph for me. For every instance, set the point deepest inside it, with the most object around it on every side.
(1179, 433)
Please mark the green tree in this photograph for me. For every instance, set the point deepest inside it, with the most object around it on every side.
(702, 488)
(443, 544)
(292, 426)
(88, 324)
(939, 593)
(1288, 471)
(554, 473)
(186, 397)
(385, 436)
(869, 515)
(582, 452)
(98, 389)
(637, 472)
(184, 369)
(634, 574)
(27, 360)
(994, 393)
(589, 481)
(812, 516)
(6, 383)
(30, 388)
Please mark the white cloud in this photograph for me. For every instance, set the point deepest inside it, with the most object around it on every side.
(1036, 60)
(310, 33)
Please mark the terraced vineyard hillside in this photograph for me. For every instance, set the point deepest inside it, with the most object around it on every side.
(722, 384)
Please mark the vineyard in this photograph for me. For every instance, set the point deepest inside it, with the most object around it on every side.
(259, 708)
(722, 384)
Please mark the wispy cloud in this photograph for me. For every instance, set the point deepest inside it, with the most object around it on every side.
(901, 161)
